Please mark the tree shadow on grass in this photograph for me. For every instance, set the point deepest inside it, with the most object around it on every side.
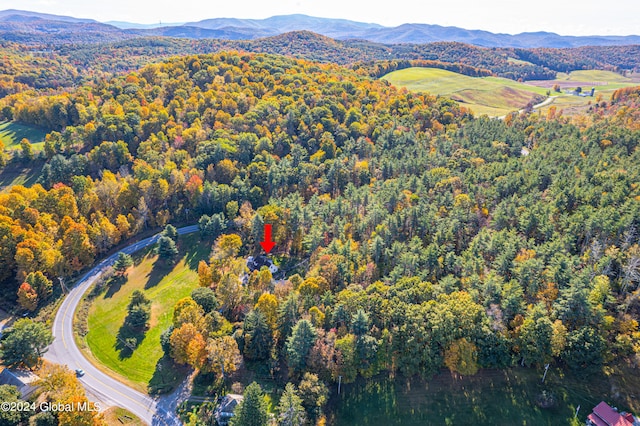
(128, 340)
(166, 376)
(193, 258)
(160, 269)
(142, 254)
(114, 285)
(28, 174)
(195, 250)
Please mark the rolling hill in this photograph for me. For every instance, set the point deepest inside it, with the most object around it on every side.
(493, 96)
(24, 15)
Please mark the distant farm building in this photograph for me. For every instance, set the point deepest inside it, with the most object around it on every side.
(604, 415)
(224, 411)
(578, 92)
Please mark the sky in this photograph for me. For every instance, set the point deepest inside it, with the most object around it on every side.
(566, 17)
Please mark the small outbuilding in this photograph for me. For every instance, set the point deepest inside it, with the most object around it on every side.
(224, 411)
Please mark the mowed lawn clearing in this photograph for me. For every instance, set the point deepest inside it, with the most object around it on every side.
(20, 174)
(595, 75)
(11, 133)
(164, 286)
(493, 96)
(600, 79)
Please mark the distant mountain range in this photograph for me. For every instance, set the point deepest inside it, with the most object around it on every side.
(20, 25)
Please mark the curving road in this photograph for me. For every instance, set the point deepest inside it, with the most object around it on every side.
(544, 103)
(99, 386)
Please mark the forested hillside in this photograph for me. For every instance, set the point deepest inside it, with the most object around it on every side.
(45, 65)
(432, 238)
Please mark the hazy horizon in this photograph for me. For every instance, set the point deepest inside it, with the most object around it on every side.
(619, 17)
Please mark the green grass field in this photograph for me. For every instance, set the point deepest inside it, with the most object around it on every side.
(493, 96)
(164, 287)
(594, 75)
(497, 96)
(12, 133)
(605, 83)
(18, 174)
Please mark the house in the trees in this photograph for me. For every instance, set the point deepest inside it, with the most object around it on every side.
(256, 263)
(24, 380)
(604, 415)
(224, 411)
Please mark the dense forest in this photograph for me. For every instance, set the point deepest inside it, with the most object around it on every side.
(432, 238)
(48, 65)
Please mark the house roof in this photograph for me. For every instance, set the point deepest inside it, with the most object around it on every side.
(17, 377)
(229, 403)
(608, 415)
(596, 420)
(24, 380)
(255, 263)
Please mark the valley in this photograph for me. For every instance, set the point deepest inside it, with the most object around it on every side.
(497, 97)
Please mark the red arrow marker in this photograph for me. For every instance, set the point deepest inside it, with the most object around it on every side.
(267, 244)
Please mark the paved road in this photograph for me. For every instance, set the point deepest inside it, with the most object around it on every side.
(544, 103)
(5, 318)
(99, 386)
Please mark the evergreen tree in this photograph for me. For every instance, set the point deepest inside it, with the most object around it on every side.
(167, 249)
(252, 411)
(122, 263)
(257, 336)
(302, 338)
(171, 232)
(291, 412)
(288, 315)
(360, 323)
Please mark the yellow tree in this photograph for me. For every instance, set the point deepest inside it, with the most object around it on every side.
(60, 385)
(196, 352)
(230, 292)
(260, 281)
(227, 246)
(205, 278)
(186, 310)
(462, 357)
(180, 340)
(223, 355)
(268, 305)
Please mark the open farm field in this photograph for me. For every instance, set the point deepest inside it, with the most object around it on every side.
(600, 79)
(496, 96)
(493, 96)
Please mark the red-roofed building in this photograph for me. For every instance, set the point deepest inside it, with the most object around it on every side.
(604, 415)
